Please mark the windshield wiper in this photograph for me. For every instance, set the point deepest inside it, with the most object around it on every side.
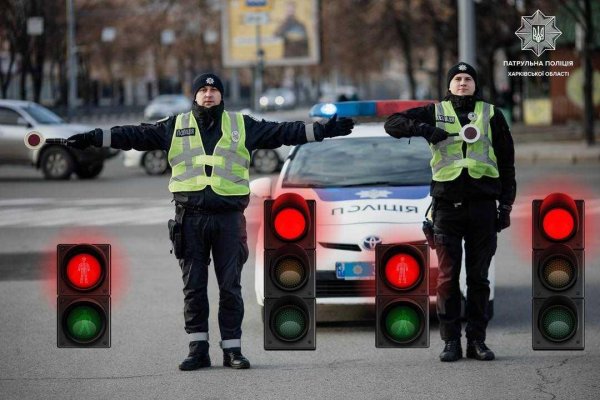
(304, 185)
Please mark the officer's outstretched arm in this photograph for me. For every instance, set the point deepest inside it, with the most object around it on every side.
(334, 127)
(140, 137)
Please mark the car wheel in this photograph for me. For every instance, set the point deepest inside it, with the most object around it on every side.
(155, 162)
(89, 171)
(57, 163)
(265, 161)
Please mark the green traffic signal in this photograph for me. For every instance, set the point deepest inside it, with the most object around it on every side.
(84, 323)
(402, 323)
(558, 323)
(290, 323)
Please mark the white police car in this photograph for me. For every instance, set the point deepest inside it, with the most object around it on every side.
(370, 188)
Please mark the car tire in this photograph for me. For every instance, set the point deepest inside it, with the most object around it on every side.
(89, 171)
(265, 161)
(57, 163)
(155, 162)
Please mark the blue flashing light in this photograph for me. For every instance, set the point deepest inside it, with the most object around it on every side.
(344, 109)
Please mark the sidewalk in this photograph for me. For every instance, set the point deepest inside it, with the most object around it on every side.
(559, 144)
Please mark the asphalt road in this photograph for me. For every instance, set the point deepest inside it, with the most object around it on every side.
(129, 209)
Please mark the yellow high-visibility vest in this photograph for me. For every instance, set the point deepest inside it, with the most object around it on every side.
(230, 160)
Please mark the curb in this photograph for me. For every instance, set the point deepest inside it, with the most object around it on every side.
(564, 153)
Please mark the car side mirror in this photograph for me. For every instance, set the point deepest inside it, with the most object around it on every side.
(23, 122)
(261, 188)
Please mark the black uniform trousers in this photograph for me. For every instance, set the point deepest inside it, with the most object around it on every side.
(475, 222)
(224, 234)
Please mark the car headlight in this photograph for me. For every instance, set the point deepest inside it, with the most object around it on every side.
(264, 101)
(279, 100)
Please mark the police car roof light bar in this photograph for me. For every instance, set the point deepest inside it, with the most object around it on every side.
(367, 108)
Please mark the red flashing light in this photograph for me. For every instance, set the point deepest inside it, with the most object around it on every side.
(290, 224)
(558, 224)
(558, 214)
(402, 271)
(84, 271)
(389, 107)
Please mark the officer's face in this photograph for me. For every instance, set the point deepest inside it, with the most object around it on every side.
(462, 85)
(208, 96)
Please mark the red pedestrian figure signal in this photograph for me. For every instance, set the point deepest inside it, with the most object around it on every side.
(402, 295)
(558, 273)
(83, 285)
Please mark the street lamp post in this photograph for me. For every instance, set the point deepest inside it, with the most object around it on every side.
(260, 65)
(466, 32)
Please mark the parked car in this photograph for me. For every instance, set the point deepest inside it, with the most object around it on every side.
(382, 198)
(154, 162)
(277, 99)
(166, 105)
(17, 118)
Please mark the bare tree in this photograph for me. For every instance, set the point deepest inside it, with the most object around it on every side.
(581, 11)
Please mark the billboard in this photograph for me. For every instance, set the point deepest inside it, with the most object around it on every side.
(288, 31)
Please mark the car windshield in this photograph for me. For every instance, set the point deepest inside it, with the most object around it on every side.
(42, 115)
(369, 161)
(171, 100)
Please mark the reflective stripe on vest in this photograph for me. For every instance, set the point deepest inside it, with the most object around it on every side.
(448, 161)
(230, 159)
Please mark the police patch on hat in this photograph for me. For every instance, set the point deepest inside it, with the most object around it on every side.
(210, 81)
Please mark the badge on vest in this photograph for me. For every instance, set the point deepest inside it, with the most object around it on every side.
(235, 136)
(447, 119)
(185, 132)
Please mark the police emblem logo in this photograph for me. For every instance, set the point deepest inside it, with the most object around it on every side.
(538, 33)
(210, 81)
(462, 67)
(235, 136)
(185, 132)
(472, 116)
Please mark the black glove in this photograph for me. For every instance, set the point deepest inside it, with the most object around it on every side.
(434, 135)
(338, 127)
(503, 221)
(84, 140)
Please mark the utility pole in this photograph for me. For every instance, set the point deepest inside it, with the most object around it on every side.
(71, 60)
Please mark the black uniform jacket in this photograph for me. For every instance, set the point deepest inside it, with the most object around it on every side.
(421, 120)
(259, 135)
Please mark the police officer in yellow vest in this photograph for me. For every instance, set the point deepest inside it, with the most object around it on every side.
(209, 152)
(473, 168)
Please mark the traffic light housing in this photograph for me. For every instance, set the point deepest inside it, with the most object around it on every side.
(402, 295)
(558, 285)
(83, 301)
(289, 276)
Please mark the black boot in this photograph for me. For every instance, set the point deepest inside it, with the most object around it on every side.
(197, 358)
(452, 351)
(233, 358)
(478, 350)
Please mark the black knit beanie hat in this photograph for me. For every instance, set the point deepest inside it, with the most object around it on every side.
(207, 79)
(462, 68)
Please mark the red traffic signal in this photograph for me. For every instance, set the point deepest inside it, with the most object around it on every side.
(289, 276)
(402, 295)
(558, 273)
(83, 285)
(289, 219)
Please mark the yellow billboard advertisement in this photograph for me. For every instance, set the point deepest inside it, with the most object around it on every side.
(287, 31)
